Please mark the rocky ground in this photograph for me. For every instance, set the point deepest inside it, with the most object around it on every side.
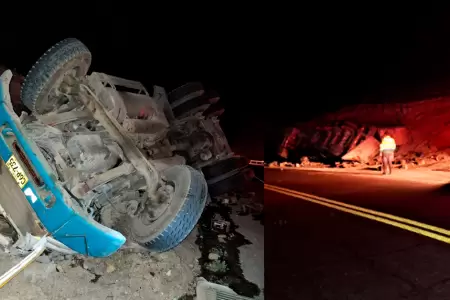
(128, 274)
(408, 160)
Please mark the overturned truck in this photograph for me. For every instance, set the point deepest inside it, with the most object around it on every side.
(99, 160)
(340, 140)
(328, 141)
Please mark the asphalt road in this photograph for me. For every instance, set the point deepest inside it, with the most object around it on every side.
(315, 252)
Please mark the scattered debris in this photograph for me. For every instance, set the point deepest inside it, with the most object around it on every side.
(96, 267)
(364, 154)
(227, 199)
(273, 164)
(5, 242)
(428, 159)
(357, 146)
(213, 256)
(164, 276)
(304, 164)
(8, 234)
(222, 238)
(220, 261)
(305, 161)
(220, 225)
(287, 165)
(208, 290)
(110, 267)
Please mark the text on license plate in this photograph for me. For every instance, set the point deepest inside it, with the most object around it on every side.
(16, 171)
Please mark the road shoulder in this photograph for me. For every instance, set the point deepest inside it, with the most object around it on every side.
(418, 175)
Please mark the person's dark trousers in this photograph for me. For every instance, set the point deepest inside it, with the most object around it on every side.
(388, 158)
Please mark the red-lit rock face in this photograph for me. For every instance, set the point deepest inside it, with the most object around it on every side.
(426, 121)
(421, 130)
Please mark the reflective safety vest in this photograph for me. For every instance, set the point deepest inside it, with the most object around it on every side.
(387, 143)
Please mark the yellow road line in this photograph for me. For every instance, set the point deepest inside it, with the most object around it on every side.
(366, 210)
(374, 217)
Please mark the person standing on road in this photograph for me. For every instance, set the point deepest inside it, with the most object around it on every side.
(387, 149)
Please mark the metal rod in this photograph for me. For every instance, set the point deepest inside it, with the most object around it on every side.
(11, 273)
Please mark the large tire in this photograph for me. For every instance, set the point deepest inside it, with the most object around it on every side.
(181, 216)
(69, 54)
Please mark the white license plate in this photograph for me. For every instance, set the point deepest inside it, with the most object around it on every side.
(16, 171)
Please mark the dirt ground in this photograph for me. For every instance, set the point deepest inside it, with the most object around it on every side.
(252, 255)
(132, 273)
(125, 275)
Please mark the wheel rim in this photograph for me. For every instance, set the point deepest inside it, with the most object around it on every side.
(55, 99)
(144, 234)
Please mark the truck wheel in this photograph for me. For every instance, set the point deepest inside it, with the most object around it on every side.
(181, 216)
(70, 56)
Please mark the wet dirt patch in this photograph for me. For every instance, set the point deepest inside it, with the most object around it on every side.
(220, 256)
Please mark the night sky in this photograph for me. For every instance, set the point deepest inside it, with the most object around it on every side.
(271, 71)
(349, 55)
(152, 46)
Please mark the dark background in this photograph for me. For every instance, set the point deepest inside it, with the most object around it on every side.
(273, 66)
(149, 44)
(375, 53)
(339, 55)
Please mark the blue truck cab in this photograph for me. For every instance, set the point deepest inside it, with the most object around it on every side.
(55, 208)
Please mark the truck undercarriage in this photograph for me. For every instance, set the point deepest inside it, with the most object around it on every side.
(101, 161)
